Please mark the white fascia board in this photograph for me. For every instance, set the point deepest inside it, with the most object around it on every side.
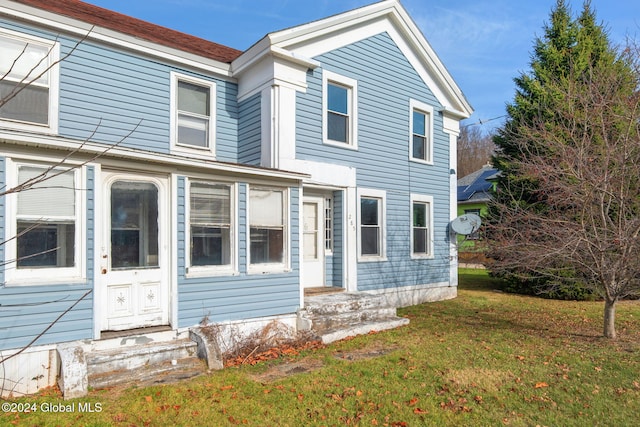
(316, 38)
(81, 29)
(8, 138)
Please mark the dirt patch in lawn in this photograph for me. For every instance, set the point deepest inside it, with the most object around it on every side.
(284, 370)
(363, 353)
(287, 369)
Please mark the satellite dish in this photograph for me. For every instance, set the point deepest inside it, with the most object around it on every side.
(466, 224)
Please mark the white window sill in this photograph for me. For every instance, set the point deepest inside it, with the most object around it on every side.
(53, 280)
(48, 129)
(372, 259)
(193, 273)
(422, 256)
(423, 162)
(267, 269)
(199, 153)
(339, 144)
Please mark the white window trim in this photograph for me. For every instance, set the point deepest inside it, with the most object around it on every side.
(421, 198)
(40, 276)
(267, 268)
(427, 110)
(352, 85)
(204, 152)
(377, 194)
(212, 270)
(54, 85)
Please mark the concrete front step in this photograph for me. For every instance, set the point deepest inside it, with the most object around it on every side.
(343, 303)
(157, 373)
(132, 357)
(335, 317)
(139, 359)
(332, 321)
(362, 328)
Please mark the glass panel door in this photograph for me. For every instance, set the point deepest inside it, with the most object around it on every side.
(134, 225)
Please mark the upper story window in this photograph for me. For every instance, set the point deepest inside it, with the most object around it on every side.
(28, 82)
(339, 110)
(420, 144)
(267, 229)
(211, 226)
(44, 217)
(193, 115)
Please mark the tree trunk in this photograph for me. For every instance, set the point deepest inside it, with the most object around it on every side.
(609, 318)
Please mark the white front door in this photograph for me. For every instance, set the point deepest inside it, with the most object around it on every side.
(313, 242)
(134, 285)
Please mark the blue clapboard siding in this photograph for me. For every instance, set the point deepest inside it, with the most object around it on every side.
(106, 93)
(386, 84)
(249, 131)
(242, 296)
(26, 311)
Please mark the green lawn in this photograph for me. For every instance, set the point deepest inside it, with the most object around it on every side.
(483, 359)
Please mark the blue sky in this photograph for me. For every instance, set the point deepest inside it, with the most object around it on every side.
(483, 43)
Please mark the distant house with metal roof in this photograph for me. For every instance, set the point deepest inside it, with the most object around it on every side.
(475, 190)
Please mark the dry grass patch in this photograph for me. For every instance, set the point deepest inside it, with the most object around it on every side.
(487, 380)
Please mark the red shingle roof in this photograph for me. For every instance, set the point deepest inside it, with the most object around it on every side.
(135, 27)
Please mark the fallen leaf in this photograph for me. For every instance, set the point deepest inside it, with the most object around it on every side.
(148, 398)
(412, 401)
(420, 411)
(541, 385)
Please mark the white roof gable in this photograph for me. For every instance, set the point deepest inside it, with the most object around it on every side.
(318, 37)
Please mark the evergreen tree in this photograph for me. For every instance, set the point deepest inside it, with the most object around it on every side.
(567, 46)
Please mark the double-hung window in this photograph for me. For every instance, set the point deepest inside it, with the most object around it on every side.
(210, 227)
(420, 144)
(421, 226)
(193, 114)
(337, 113)
(44, 233)
(371, 221)
(28, 82)
(340, 110)
(267, 228)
